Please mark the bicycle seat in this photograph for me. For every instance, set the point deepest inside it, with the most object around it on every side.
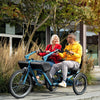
(45, 66)
(75, 69)
(23, 64)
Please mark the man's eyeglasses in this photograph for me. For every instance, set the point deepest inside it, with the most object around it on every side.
(69, 37)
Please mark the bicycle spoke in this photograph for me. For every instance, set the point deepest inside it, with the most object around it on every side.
(80, 83)
(17, 87)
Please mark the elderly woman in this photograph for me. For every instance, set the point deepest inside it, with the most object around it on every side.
(54, 58)
(54, 44)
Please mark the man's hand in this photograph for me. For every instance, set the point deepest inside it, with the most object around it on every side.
(70, 52)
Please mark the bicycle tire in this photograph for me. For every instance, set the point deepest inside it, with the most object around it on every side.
(25, 88)
(79, 80)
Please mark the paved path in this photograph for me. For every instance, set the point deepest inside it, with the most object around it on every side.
(92, 93)
(96, 73)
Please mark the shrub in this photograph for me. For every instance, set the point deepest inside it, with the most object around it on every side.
(9, 64)
(3, 84)
(87, 66)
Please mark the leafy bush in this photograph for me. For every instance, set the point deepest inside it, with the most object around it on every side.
(3, 84)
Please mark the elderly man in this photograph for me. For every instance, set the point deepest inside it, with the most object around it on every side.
(72, 58)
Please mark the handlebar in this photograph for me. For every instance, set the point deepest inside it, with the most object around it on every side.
(66, 50)
(56, 50)
(46, 56)
(27, 56)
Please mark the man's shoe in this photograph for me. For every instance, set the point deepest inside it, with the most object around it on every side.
(63, 84)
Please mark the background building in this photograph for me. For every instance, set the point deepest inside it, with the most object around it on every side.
(14, 33)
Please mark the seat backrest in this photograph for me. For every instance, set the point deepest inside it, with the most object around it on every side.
(81, 62)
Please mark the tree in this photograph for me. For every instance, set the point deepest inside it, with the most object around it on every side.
(37, 12)
(30, 11)
(9, 11)
(68, 11)
(56, 13)
(91, 12)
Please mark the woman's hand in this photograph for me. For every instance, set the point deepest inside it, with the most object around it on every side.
(38, 51)
(47, 51)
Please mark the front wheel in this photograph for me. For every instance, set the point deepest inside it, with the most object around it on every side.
(79, 84)
(17, 87)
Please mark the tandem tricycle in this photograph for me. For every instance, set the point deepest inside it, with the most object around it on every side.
(22, 81)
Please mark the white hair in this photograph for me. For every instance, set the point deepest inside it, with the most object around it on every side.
(52, 38)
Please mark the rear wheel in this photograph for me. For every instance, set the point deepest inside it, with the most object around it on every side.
(16, 86)
(79, 84)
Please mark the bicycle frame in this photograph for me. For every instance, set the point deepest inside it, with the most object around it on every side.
(69, 81)
(20, 83)
(32, 70)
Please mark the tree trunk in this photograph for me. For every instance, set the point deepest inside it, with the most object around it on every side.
(55, 19)
(83, 37)
(35, 29)
(99, 49)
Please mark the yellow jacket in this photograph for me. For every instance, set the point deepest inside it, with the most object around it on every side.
(76, 48)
